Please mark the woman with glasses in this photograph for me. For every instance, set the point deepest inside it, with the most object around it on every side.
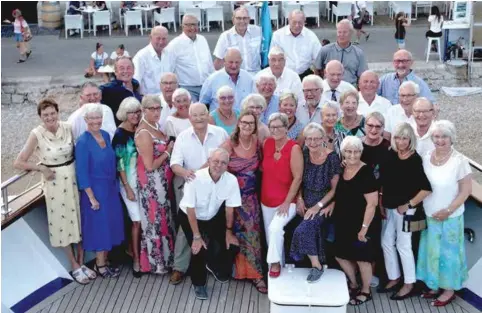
(351, 123)
(288, 102)
(224, 116)
(244, 162)
(179, 121)
(330, 113)
(129, 114)
(155, 194)
(282, 173)
(320, 176)
(256, 104)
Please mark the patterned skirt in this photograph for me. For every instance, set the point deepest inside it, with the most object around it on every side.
(441, 255)
(308, 239)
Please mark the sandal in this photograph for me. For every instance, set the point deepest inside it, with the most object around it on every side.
(88, 272)
(260, 285)
(430, 294)
(79, 276)
(353, 291)
(355, 301)
(108, 272)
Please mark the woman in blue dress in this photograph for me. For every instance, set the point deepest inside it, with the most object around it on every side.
(102, 220)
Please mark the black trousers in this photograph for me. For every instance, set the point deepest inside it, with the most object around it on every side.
(219, 259)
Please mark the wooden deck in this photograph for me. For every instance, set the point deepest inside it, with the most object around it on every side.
(154, 294)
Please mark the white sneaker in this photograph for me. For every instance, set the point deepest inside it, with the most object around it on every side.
(374, 282)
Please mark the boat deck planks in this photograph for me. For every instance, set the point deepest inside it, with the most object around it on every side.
(154, 294)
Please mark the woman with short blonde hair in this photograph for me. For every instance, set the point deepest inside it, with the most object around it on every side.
(224, 115)
(351, 123)
(288, 103)
(179, 121)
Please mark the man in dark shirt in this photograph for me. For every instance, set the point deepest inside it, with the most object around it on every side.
(124, 86)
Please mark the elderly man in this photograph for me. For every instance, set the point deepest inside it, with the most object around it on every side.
(400, 113)
(301, 46)
(369, 100)
(122, 87)
(152, 61)
(286, 78)
(333, 85)
(206, 216)
(390, 83)
(190, 153)
(90, 93)
(352, 57)
(424, 115)
(245, 37)
(191, 56)
(168, 86)
(310, 111)
(231, 75)
(266, 85)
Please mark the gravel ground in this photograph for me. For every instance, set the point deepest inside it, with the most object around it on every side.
(465, 112)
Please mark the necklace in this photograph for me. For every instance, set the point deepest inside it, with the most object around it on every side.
(277, 154)
(250, 143)
(403, 155)
(156, 127)
(442, 160)
(351, 125)
(226, 117)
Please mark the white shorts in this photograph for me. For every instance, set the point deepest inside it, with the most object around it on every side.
(133, 207)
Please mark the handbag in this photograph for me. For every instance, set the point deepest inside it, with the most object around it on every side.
(415, 223)
(27, 36)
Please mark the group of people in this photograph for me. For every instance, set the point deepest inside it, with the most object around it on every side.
(216, 168)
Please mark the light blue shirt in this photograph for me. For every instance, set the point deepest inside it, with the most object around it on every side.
(389, 84)
(273, 107)
(243, 87)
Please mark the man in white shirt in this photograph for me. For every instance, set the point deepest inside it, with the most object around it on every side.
(286, 78)
(301, 46)
(424, 115)
(190, 153)
(400, 113)
(333, 85)
(310, 111)
(207, 213)
(243, 36)
(191, 57)
(90, 93)
(168, 86)
(152, 61)
(369, 100)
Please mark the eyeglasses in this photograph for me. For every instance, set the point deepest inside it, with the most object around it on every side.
(401, 61)
(436, 137)
(407, 95)
(154, 108)
(94, 118)
(255, 108)
(169, 83)
(311, 90)
(219, 162)
(417, 112)
(135, 112)
(190, 24)
(244, 123)
(224, 98)
(313, 139)
(273, 128)
(352, 151)
(371, 126)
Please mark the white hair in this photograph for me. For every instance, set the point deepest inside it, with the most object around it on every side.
(181, 92)
(254, 98)
(276, 50)
(313, 127)
(90, 108)
(317, 80)
(376, 115)
(195, 105)
(224, 89)
(265, 75)
(345, 22)
(351, 141)
(447, 128)
(189, 15)
(129, 104)
(222, 151)
(415, 87)
(164, 75)
(283, 118)
(331, 105)
(148, 100)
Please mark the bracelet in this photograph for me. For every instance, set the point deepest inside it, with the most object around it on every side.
(448, 210)
(364, 225)
(168, 154)
(124, 183)
(196, 237)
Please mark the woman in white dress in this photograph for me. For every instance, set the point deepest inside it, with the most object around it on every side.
(179, 121)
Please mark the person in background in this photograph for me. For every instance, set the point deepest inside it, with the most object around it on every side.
(288, 105)
(22, 33)
(179, 120)
(98, 58)
(53, 144)
(266, 85)
(330, 114)
(400, 23)
(101, 5)
(442, 264)
(310, 110)
(225, 116)
(127, 6)
(435, 28)
(360, 17)
(129, 114)
(120, 51)
(100, 206)
(333, 84)
(351, 123)
(256, 104)
(369, 101)
(282, 175)
(168, 85)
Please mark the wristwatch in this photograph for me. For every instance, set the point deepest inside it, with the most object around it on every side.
(409, 205)
(320, 204)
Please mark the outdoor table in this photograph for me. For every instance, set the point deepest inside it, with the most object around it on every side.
(146, 8)
(89, 10)
(106, 69)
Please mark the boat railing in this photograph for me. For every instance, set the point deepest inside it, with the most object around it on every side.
(6, 200)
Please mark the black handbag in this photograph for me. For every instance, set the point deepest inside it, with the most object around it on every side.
(416, 222)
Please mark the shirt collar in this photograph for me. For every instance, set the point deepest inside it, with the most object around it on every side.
(152, 51)
(347, 49)
(408, 77)
(119, 83)
(229, 76)
(208, 131)
(184, 36)
(288, 32)
(233, 31)
(363, 99)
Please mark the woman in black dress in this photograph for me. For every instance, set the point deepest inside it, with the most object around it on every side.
(355, 203)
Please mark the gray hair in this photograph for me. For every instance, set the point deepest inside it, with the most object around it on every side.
(265, 75)
(90, 108)
(311, 128)
(222, 151)
(286, 95)
(129, 104)
(256, 99)
(376, 115)
(197, 104)
(181, 92)
(351, 141)
(166, 74)
(88, 84)
(147, 100)
(276, 50)
(420, 99)
(224, 89)
(189, 15)
(345, 22)
(415, 87)
(283, 118)
(404, 130)
(312, 78)
(331, 105)
(294, 12)
(447, 128)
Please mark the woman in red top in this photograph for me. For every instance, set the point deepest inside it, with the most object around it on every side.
(282, 173)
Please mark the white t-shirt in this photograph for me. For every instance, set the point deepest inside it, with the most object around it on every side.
(444, 181)
(175, 126)
(114, 55)
(17, 26)
(97, 57)
(435, 25)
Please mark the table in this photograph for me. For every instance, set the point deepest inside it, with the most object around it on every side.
(106, 69)
(89, 10)
(146, 8)
(452, 31)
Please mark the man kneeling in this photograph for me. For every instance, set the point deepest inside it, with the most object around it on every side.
(206, 217)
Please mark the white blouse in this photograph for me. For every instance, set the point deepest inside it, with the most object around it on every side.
(444, 181)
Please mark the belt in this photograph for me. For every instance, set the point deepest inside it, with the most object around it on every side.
(60, 165)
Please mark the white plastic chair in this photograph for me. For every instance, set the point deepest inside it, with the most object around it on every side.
(312, 9)
(133, 18)
(74, 22)
(328, 11)
(342, 9)
(274, 14)
(429, 44)
(183, 5)
(101, 18)
(197, 13)
(214, 14)
(287, 9)
(167, 15)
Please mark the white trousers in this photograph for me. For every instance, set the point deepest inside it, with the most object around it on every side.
(393, 240)
(273, 225)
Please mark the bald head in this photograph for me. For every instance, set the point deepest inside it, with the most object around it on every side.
(402, 62)
(334, 73)
(334, 65)
(232, 61)
(159, 38)
(368, 84)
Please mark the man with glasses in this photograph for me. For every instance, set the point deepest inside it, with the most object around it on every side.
(390, 83)
(333, 84)
(243, 36)
(191, 57)
(424, 114)
(168, 86)
(403, 112)
(310, 110)
(90, 93)
(369, 100)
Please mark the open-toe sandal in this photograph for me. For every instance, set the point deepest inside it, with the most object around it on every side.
(106, 273)
(79, 276)
(355, 301)
(88, 272)
(260, 285)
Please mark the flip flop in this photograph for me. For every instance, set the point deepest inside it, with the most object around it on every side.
(88, 272)
(79, 276)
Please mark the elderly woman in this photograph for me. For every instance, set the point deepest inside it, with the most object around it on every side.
(256, 104)
(244, 162)
(155, 194)
(351, 123)
(441, 262)
(282, 173)
(330, 113)
(53, 145)
(129, 114)
(224, 116)
(404, 185)
(266, 86)
(101, 209)
(320, 177)
(288, 102)
(355, 205)
(179, 121)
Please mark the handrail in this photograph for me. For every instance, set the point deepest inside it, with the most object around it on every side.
(475, 165)
(13, 179)
(5, 184)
